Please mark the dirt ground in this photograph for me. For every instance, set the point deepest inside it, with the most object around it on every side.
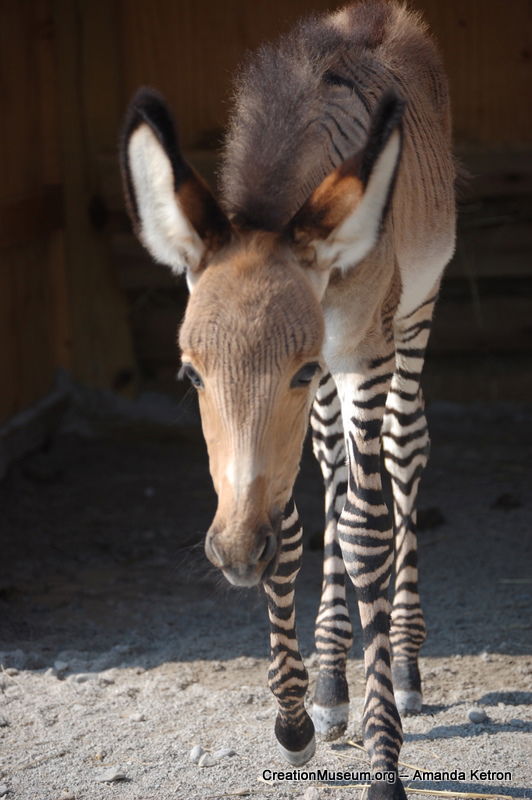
(121, 648)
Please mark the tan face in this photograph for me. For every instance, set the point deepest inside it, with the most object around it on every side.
(253, 330)
(251, 343)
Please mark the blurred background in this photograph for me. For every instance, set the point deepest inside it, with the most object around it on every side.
(77, 293)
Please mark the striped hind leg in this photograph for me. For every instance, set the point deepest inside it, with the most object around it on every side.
(287, 677)
(333, 635)
(366, 538)
(406, 448)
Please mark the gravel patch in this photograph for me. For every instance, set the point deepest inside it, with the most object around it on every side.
(126, 660)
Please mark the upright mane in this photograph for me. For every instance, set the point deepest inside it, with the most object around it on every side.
(279, 133)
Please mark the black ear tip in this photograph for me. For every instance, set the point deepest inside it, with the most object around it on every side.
(390, 110)
(386, 119)
(149, 102)
(148, 105)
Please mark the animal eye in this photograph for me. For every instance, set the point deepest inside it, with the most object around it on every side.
(304, 376)
(188, 371)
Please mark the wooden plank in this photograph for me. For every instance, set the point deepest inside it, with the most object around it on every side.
(102, 354)
(26, 352)
(8, 343)
(31, 282)
(487, 50)
(32, 217)
(61, 322)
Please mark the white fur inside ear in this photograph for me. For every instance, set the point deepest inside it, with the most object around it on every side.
(164, 228)
(353, 239)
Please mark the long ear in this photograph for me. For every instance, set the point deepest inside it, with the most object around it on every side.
(173, 212)
(341, 220)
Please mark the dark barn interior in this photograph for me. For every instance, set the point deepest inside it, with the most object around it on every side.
(104, 488)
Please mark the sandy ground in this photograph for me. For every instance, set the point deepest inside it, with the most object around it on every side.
(122, 649)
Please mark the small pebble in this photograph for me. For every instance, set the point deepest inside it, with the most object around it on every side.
(4, 789)
(137, 717)
(477, 715)
(51, 672)
(67, 796)
(311, 794)
(224, 752)
(111, 775)
(3, 722)
(196, 753)
(81, 677)
(206, 760)
(11, 671)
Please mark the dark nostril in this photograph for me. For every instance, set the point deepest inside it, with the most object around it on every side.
(269, 549)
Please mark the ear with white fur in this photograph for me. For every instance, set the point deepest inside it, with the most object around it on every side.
(173, 211)
(341, 221)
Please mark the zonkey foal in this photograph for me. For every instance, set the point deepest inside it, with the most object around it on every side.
(313, 284)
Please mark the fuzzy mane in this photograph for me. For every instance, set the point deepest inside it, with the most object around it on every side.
(276, 150)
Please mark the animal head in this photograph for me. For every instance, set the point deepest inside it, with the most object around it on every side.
(253, 330)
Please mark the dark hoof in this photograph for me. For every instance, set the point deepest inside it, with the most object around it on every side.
(297, 745)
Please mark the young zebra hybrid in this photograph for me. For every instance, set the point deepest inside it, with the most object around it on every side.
(315, 278)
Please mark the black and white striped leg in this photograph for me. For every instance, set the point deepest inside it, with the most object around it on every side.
(406, 447)
(366, 538)
(333, 635)
(287, 677)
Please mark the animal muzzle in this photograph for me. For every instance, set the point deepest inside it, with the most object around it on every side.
(245, 557)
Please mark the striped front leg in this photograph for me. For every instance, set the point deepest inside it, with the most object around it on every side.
(406, 446)
(333, 636)
(366, 538)
(288, 678)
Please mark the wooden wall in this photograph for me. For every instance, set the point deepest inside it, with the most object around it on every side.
(71, 280)
(33, 310)
(60, 304)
